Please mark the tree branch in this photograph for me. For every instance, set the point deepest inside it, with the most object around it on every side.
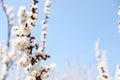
(8, 22)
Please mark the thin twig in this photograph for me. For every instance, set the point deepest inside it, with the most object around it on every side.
(9, 26)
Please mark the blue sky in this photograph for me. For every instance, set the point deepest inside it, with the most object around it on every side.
(73, 28)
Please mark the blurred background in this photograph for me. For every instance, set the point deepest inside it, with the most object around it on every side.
(73, 28)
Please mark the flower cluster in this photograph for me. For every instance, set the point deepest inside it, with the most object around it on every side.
(6, 58)
(24, 42)
(44, 24)
(10, 14)
(102, 64)
(117, 75)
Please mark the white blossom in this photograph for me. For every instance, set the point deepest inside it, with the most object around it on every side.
(10, 14)
(44, 26)
(29, 78)
(52, 66)
(47, 10)
(48, 3)
(27, 30)
(21, 43)
(119, 12)
(35, 15)
(22, 15)
(34, 73)
(23, 62)
(117, 75)
(32, 6)
(16, 31)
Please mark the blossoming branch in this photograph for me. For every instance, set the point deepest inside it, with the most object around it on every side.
(24, 43)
